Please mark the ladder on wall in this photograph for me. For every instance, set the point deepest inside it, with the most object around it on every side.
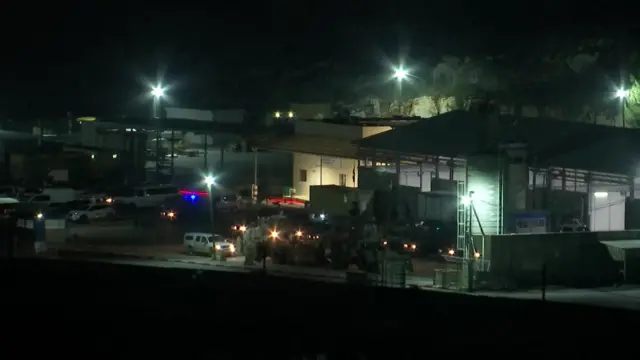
(461, 212)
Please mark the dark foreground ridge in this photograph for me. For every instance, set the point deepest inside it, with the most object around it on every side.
(122, 300)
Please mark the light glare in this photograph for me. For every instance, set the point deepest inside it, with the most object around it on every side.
(209, 180)
(400, 74)
(157, 92)
(622, 94)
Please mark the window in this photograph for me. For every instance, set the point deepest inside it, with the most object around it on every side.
(188, 238)
(343, 180)
(303, 175)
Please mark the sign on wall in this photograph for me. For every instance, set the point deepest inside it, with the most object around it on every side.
(328, 160)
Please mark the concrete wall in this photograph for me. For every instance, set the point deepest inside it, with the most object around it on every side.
(573, 259)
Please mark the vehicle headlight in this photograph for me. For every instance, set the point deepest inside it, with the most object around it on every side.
(218, 247)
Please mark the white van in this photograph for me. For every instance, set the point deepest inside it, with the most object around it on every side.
(144, 196)
(50, 195)
(203, 243)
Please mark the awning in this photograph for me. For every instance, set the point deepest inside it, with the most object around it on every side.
(617, 249)
(309, 144)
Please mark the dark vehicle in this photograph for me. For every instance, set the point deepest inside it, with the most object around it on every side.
(434, 235)
(424, 239)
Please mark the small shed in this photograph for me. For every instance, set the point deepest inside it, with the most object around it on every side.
(627, 253)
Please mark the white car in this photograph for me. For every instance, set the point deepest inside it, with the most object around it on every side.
(92, 212)
(144, 196)
(203, 243)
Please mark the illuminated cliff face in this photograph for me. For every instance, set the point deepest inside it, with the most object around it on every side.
(423, 106)
(632, 108)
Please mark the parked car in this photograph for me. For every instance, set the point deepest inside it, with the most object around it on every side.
(91, 212)
(203, 243)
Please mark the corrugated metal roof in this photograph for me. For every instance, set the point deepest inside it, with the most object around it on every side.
(309, 144)
(621, 248)
(567, 144)
(623, 244)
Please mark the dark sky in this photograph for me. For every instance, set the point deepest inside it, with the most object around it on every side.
(89, 59)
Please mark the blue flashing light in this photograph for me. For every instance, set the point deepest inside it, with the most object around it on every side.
(190, 198)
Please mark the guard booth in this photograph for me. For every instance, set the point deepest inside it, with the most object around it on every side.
(627, 254)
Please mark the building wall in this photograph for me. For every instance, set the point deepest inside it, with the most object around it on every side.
(327, 170)
(322, 170)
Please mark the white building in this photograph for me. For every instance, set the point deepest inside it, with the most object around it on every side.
(323, 153)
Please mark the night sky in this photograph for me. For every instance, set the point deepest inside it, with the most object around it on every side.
(99, 60)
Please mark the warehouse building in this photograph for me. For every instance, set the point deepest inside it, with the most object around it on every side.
(519, 173)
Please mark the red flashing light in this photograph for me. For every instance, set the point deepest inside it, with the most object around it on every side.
(197, 193)
(285, 200)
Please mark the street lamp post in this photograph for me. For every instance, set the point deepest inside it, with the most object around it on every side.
(157, 92)
(622, 94)
(210, 181)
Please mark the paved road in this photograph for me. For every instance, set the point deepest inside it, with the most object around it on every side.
(170, 256)
(154, 256)
(625, 297)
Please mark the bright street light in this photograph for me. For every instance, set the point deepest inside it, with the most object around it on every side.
(400, 74)
(209, 180)
(157, 91)
(622, 94)
(274, 234)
